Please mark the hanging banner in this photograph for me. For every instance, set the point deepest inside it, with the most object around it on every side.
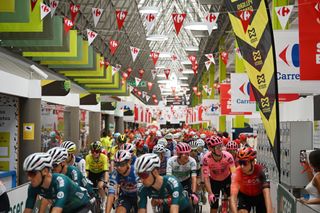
(207, 63)
(150, 20)
(53, 6)
(309, 31)
(89, 99)
(114, 70)
(174, 57)
(150, 84)
(224, 57)
(167, 73)
(68, 24)
(154, 56)
(154, 74)
(74, 10)
(283, 14)
(138, 80)
(240, 93)
(211, 108)
(96, 14)
(55, 88)
(134, 52)
(45, 10)
(113, 45)
(91, 36)
(121, 15)
(256, 47)
(210, 57)
(211, 21)
(147, 97)
(33, 4)
(178, 20)
(192, 59)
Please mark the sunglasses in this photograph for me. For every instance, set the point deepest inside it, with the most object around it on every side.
(96, 151)
(55, 165)
(32, 173)
(243, 162)
(121, 164)
(144, 175)
(218, 147)
(181, 154)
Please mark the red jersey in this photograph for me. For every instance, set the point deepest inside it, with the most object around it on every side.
(250, 185)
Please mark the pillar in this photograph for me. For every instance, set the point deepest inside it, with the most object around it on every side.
(72, 126)
(119, 124)
(94, 126)
(30, 112)
(109, 123)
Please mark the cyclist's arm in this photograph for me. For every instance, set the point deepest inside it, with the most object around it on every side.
(205, 173)
(56, 210)
(267, 199)
(235, 186)
(142, 210)
(32, 195)
(174, 209)
(27, 210)
(169, 167)
(110, 200)
(43, 205)
(194, 176)
(82, 166)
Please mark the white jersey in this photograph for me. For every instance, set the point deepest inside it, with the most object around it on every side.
(181, 172)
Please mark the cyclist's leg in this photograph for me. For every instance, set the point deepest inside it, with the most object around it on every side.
(244, 203)
(125, 204)
(226, 190)
(216, 187)
(260, 204)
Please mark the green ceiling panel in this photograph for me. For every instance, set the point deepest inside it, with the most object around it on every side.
(123, 91)
(7, 6)
(74, 42)
(33, 25)
(113, 85)
(20, 14)
(106, 78)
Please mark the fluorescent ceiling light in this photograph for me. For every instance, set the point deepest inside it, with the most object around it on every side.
(148, 9)
(191, 48)
(188, 71)
(157, 37)
(165, 55)
(39, 71)
(160, 67)
(184, 85)
(183, 78)
(163, 81)
(186, 62)
(161, 75)
(199, 26)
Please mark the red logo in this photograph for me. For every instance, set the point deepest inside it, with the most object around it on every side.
(97, 12)
(178, 21)
(121, 15)
(68, 22)
(53, 4)
(211, 17)
(284, 11)
(135, 50)
(91, 34)
(45, 8)
(150, 17)
(74, 8)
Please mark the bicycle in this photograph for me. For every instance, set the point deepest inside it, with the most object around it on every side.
(223, 202)
(96, 200)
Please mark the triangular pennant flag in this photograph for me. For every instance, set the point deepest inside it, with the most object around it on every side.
(195, 68)
(205, 88)
(118, 67)
(114, 70)
(211, 21)
(130, 88)
(174, 57)
(154, 73)
(134, 52)
(91, 36)
(224, 57)
(192, 59)
(121, 15)
(154, 56)
(150, 84)
(45, 10)
(68, 24)
(144, 94)
(33, 4)
(96, 13)
(167, 73)
(74, 10)
(178, 21)
(147, 97)
(150, 20)
(53, 6)
(138, 80)
(237, 50)
(209, 91)
(245, 17)
(101, 63)
(207, 63)
(210, 57)
(113, 45)
(283, 14)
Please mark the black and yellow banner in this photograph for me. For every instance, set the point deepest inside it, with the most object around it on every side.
(55, 88)
(252, 27)
(89, 99)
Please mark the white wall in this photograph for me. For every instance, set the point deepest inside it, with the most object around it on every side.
(298, 110)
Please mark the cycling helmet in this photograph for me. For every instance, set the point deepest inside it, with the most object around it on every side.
(225, 140)
(247, 153)
(193, 144)
(243, 137)
(183, 148)
(214, 141)
(147, 163)
(232, 145)
(159, 148)
(53, 134)
(70, 146)
(139, 143)
(116, 135)
(97, 145)
(163, 142)
(137, 136)
(200, 142)
(195, 137)
(128, 147)
(122, 155)
(158, 134)
(168, 136)
(37, 161)
(58, 154)
(203, 136)
(122, 138)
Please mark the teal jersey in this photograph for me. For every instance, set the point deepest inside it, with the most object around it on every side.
(171, 187)
(74, 174)
(63, 192)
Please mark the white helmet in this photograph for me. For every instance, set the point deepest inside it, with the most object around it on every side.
(168, 136)
(163, 141)
(200, 142)
(37, 161)
(159, 148)
(69, 145)
(177, 135)
(147, 163)
(193, 144)
(122, 155)
(128, 147)
(58, 154)
(203, 136)
(158, 133)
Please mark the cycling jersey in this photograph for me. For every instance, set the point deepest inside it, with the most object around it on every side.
(250, 185)
(63, 192)
(97, 166)
(182, 172)
(128, 184)
(133, 160)
(80, 163)
(114, 149)
(170, 188)
(74, 174)
(106, 143)
(142, 151)
(218, 170)
(163, 166)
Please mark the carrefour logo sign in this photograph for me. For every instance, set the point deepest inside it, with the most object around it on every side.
(288, 63)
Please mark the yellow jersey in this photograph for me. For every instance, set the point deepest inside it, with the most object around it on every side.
(106, 143)
(97, 166)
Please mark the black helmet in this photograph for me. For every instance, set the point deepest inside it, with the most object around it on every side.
(122, 138)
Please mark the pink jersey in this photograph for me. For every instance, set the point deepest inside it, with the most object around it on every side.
(218, 170)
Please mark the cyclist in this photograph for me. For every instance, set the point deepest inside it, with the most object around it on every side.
(97, 168)
(195, 155)
(121, 139)
(141, 147)
(184, 168)
(65, 195)
(72, 159)
(165, 190)
(171, 143)
(250, 185)
(216, 170)
(123, 176)
(106, 141)
(243, 140)
(131, 149)
(160, 150)
(163, 141)
(232, 147)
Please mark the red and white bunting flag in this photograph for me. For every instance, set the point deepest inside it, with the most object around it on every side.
(205, 88)
(121, 15)
(96, 13)
(91, 36)
(167, 73)
(130, 88)
(33, 4)
(178, 21)
(74, 10)
(245, 17)
(114, 70)
(154, 73)
(113, 45)
(211, 21)
(210, 57)
(45, 10)
(68, 24)
(101, 63)
(283, 14)
(207, 63)
(118, 67)
(138, 80)
(237, 50)
(134, 52)
(192, 59)
(195, 68)
(53, 6)
(224, 57)
(154, 56)
(147, 97)
(144, 94)
(209, 91)
(106, 63)
(174, 57)
(150, 84)
(150, 20)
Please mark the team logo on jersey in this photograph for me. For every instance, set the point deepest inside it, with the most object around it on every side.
(175, 194)
(60, 195)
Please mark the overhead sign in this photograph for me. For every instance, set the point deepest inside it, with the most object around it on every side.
(211, 108)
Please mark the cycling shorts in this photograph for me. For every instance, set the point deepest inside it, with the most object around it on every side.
(95, 178)
(128, 203)
(186, 185)
(217, 186)
(247, 202)
(188, 209)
